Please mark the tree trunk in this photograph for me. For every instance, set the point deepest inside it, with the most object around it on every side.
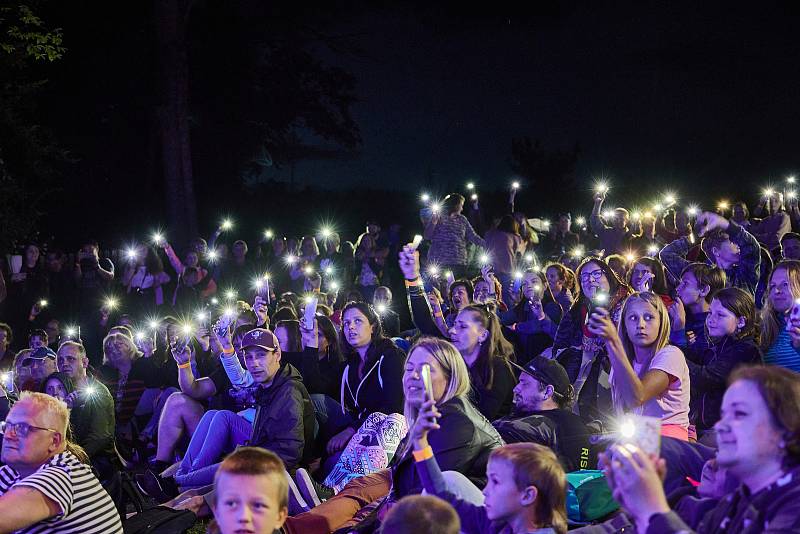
(173, 119)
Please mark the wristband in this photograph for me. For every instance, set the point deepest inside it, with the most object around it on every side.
(438, 314)
(416, 282)
(228, 351)
(184, 365)
(424, 454)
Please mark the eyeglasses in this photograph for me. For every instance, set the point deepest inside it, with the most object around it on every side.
(593, 275)
(22, 429)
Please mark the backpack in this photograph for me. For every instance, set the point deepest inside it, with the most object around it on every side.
(149, 518)
(588, 496)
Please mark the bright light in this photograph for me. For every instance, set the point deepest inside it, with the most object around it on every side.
(448, 275)
(470, 186)
(545, 224)
(71, 331)
(474, 196)
(627, 429)
(692, 210)
(333, 284)
(291, 259)
(518, 275)
(328, 270)
(433, 270)
(425, 197)
(381, 308)
(308, 270)
(636, 215)
(484, 259)
(230, 294)
(600, 298)
(5, 377)
(258, 283)
(652, 249)
(768, 192)
(268, 234)
(657, 207)
(228, 312)
(608, 214)
(630, 257)
(790, 179)
(131, 253)
(326, 232)
(214, 301)
(514, 185)
(601, 187)
(580, 220)
(227, 224)
(577, 252)
(111, 303)
(528, 258)
(158, 238)
(669, 199)
(89, 391)
(201, 316)
(648, 215)
(436, 208)
(139, 336)
(42, 303)
(186, 329)
(791, 194)
(213, 255)
(307, 299)
(723, 205)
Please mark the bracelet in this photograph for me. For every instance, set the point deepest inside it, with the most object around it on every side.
(228, 351)
(416, 282)
(438, 314)
(184, 365)
(424, 454)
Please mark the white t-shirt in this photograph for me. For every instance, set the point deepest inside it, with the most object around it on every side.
(672, 406)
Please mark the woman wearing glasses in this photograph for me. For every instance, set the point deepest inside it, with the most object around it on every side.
(477, 334)
(582, 352)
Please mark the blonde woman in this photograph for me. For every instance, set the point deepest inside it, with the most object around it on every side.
(780, 343)
(648, 375)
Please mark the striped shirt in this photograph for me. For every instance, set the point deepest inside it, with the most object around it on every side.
(782, 353)
(449, 241)
(86, 507)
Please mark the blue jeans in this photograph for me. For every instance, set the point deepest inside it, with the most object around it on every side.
(218, 432)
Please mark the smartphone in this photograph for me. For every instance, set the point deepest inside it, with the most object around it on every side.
(181, 343)
(310, 312)
(8, 381)
(416, 242)
(794, 314)
(642, 431)
(426, 380)
(599, 300)
(223, 324)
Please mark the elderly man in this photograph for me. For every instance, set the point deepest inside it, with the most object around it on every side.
(43, 486)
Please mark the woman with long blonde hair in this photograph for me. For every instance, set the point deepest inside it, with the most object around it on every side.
(648, 375)
(782, 291)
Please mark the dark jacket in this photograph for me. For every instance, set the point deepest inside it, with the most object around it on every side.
(773, 509)
(92, 421)
(708, 375)
(380, 389)
(322, 376)
(284, 420)
(462, 444)
(561, 430)
(743, 275)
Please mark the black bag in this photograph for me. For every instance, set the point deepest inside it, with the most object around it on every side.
(160, 520)
(150, 518)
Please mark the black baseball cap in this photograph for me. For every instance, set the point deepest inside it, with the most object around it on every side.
(548, 372)
(260, 337)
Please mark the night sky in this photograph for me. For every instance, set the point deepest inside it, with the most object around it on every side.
(698, 97)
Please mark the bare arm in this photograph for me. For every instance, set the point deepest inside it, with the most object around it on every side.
(196, 388)
(24, 506)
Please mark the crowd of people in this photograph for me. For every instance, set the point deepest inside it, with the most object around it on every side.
(283, 388)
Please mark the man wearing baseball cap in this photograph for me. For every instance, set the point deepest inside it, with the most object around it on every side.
(542, 401)
(34, 367)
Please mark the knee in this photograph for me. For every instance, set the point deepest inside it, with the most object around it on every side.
(181, 403)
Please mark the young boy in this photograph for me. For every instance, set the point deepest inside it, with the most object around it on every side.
(526, 490)
(688, 313)
(251, 492)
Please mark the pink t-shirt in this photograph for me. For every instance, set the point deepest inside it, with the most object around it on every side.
(672, 406)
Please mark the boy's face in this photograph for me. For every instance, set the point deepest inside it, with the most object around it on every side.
(503, 501)
(248, 504)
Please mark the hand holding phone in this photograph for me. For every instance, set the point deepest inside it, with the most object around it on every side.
(310, 313)
(426, 380)
(642, 431)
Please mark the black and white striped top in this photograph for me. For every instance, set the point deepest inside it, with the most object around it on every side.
(86, 506)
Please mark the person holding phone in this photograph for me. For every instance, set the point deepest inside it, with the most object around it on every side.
(648, 375)
(582, 353)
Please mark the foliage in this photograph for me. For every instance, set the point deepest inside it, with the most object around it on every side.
(28, 154)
